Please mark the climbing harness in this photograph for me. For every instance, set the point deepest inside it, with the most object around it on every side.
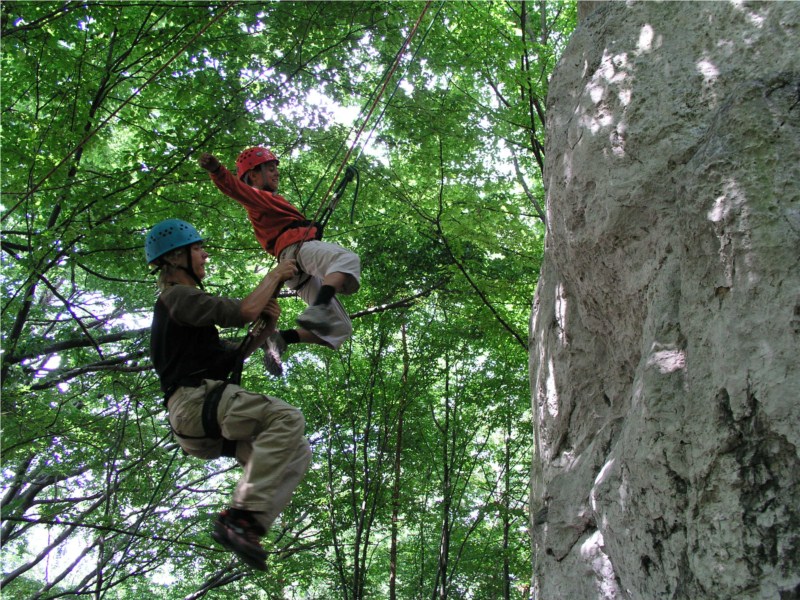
(208, 416)
(209, 420)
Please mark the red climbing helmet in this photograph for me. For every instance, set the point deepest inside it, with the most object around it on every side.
(252, 157)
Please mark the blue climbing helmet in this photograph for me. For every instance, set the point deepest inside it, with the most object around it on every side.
(169, 235)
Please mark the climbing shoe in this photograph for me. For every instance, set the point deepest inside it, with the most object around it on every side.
(238, 532)
(317, 318)
(274, 348)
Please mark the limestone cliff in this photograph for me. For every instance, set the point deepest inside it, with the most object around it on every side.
(665, 337)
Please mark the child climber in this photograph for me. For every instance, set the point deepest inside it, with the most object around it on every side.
(325, 269)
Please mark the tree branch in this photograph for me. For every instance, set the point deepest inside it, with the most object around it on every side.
(70, 528)
(217, 580)
(403, 303)
(78, 343)
(461, 267)
(102, 365)
(521, 178)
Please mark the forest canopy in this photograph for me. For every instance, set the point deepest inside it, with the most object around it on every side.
(420, 426)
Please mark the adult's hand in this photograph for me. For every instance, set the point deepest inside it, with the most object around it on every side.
(271, 313)
(285, 270)
(257, 300)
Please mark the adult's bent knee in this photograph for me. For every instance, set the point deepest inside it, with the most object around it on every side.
(293, 422)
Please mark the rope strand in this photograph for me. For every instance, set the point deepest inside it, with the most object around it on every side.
(371, 110)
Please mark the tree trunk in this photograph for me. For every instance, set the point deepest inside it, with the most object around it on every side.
(664, 340)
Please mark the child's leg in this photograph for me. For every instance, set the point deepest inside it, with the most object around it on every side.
(324, 270)
(335, 266)
(340, 328)
(336, 317)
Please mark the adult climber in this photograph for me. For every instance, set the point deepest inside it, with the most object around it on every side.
(325, 269)
(210, 415)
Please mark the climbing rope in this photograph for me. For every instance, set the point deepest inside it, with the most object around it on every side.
(387, 78)
(399, 81)
(351, 171)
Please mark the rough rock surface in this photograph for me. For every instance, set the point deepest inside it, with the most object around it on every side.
(665, 338)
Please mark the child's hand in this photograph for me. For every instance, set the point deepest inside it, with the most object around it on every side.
(209, 162)
(286, 270)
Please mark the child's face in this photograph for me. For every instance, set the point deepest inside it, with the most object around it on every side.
(265, 176)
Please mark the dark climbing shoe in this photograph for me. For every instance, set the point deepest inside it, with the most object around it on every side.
(242, 536)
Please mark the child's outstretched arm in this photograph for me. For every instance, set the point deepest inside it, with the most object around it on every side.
(255, 201)
(229, 185)
(269, 213)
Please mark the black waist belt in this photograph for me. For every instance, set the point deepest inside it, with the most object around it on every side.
(299, 224)
(186, 382)
(209, 419)
(210, 405)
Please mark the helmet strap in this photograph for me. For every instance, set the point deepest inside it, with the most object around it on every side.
(187, 268)
(193, 275)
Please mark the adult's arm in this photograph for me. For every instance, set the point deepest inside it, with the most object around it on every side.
(256, 301)
(192, 306)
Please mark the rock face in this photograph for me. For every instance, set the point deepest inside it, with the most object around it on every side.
(665, 338)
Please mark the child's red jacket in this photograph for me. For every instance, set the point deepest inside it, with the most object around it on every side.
(277, 224)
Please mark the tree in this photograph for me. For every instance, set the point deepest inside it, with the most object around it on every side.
(106, 106)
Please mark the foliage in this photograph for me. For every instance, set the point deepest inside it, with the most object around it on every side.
(420, 426)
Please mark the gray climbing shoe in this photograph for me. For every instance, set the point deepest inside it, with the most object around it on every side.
(317, 318)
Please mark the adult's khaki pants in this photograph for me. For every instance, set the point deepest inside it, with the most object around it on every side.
(270, 443)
